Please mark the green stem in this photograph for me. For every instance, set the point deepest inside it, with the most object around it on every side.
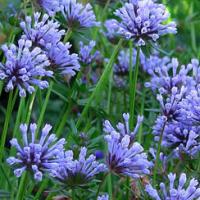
(1, 87)
(67, 35)
(109, 91)
(40, 120)
(101, 184)
(110, 186)
(30, 107)
(6, 124)
(41, 188)
(158, 154)
(22, 186)
(100, 84)
(133, 84)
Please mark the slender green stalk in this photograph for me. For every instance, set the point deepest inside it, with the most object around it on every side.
(22, 186)
(110, 186)
(1, 87)
(41, 188)
(100, 84)
(133, 84)
(30, 107)
(101, 184)
(40, 120)
(141, 113)
(6, 124)
(158, 154)
(67, 35)
(109, 91)
(193, 32)
(18, 119)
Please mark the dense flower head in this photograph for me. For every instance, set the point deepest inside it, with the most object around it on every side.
(143, 20)
(124, 158)
(168, 75)
(153, 62)
(183, 139)
(23, 67)
(61, 59)
(111, 26)
(51, 6)
(77, 14)
(87, 55)
(77, 172)
(123, 128)
(103, 197)
(190, 108)
(41, 30)
(37, 156)
(181, 191)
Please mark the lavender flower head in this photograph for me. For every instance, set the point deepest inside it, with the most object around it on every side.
(23, 67)
(190, 108)
(182, 139)
(155, 62)
(143, 21)
(41, 30)
(123, 128)
(78, 15)
(61, 59)
(36, 156)
(125, 158)
(87, 55)
(111, 26)
(103, 197)
(78, 172)
(51, 6)
(181, 191)
(168, 75)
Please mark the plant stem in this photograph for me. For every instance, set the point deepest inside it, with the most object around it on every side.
(30, 107)
(101, 184)
(110, 186)
(100, 84)
(40, 120)
(109, 91)
(6, 123)
(158, 154)
(41, 188)
(67, 35)
(133, 84)
(22, 186)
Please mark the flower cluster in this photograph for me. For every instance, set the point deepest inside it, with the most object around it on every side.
(181, 192)
(51, 6)
(45, 33)
(77, 14)
(87, 55)
(103, 197)
(23, 67)
(37, 156)
(77, 172)
(165, 75)
(124, 156)
(143, 21)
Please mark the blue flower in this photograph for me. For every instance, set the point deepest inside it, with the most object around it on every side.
(77, 172)
(167, 75)
(144, 21)
(78, 15)
(41, 30)
(23, 67)
(87, 55)
(123, 128)
(103, 197)
(51, 6)
(36, 156)
(125, 157)
(61, 59)
(181, 191)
